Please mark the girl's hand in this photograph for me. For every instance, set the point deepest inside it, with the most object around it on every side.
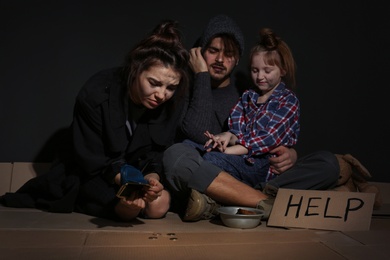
(219, 141)
(213, 143)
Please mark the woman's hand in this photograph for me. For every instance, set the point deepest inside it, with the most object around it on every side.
(155, 190)
(283, 160)
(153, 200)
(158, 199)
(134, 201)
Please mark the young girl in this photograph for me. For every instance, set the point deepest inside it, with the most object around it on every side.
(266, 116)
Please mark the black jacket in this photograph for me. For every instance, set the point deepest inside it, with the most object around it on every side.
(100, 136)
(99, 143)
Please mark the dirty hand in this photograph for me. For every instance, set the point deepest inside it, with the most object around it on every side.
(134, 201)
(155, 189)
(284, 158)
(197, 62)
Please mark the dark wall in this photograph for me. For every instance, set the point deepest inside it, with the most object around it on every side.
(50, 48)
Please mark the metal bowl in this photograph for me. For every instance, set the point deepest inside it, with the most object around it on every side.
(231, 218)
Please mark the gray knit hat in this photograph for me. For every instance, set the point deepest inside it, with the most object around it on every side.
(222, 24)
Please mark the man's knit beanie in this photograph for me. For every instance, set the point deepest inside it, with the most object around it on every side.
(222, 24)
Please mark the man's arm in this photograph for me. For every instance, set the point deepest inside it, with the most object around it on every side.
(198, 116)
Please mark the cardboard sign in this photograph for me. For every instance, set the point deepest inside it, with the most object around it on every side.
(329, 210)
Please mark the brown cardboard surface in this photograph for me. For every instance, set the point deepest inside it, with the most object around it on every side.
(129, 245)
(5, 177)
(384, 191)
(120, 239)
(245, 251)
(33, 234)
(377, 237)
(41, 238)
(24, 171)
(328, 210)
(383, 211)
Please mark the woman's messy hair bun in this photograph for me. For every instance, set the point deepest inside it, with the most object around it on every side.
(167, 32)
(163, 45)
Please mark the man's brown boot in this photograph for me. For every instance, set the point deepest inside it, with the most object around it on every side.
(199, 207)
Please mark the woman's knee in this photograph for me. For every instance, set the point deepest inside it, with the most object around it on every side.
(158, 209)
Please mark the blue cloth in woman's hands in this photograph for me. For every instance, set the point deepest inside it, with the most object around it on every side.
(131, 174)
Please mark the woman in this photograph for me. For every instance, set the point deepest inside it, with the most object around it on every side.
(124, 118)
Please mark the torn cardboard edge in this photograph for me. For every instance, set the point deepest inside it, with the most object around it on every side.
(326, 210)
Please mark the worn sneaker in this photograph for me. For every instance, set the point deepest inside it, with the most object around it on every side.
(266, 205)
(200, 207)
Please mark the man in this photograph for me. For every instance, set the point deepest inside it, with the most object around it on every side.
(197, 186)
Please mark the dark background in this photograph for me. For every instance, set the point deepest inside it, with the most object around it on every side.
(48, 49)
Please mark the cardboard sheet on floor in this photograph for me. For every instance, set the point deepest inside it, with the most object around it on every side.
(328, 210)
(5, 177)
